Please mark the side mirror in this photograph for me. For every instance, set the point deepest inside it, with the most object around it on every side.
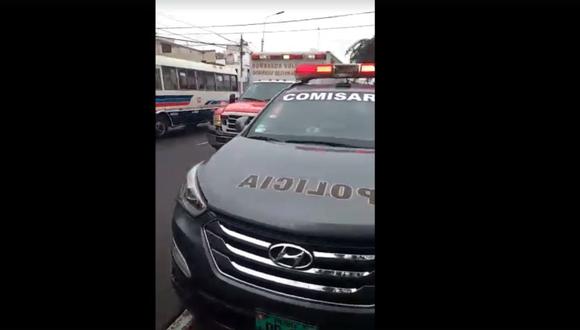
(232, 98)
(242, 122)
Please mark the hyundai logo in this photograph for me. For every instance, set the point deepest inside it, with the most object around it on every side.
(290, 256)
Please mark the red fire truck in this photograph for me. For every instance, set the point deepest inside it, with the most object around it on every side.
(270, 73)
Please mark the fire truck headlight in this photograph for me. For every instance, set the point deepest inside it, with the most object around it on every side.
(217, 121)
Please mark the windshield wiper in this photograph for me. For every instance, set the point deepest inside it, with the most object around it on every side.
(251, 99)
(326, 143)
(264, 138)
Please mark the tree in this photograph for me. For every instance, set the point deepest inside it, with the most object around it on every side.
(362, 51)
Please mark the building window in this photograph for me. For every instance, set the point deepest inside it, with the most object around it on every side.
(169, 78)
(165, 48)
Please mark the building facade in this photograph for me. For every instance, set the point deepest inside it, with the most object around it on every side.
(168, 47)
(232, 59)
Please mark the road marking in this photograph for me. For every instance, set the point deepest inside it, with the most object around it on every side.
(183, 322)
(199, 144)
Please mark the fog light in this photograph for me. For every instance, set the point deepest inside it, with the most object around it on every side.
(180, 260)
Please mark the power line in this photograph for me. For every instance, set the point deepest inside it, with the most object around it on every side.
(193, 26)
(195, 41)
(276, 22)
(284, 31)
(190, 44)
(188, 39)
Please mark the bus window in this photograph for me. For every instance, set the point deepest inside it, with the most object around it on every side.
(169, 78)
(158, 79)
(182, 79)
(191, 79)
(186, 79)
(210, 81)
(219, 82)
(234, 81)
(227, 86)
(200, 80)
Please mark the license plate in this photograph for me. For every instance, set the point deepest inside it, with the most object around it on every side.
(266, 321)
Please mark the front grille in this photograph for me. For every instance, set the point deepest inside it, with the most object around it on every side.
(337, 275)
(229, 123)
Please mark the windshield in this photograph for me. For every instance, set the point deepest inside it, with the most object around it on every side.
(263, 91)
(342, 119)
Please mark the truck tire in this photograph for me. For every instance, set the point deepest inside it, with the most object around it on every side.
(161, 125)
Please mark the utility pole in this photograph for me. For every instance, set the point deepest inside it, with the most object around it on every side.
(241, 63)
(262, 48)
(318, 40)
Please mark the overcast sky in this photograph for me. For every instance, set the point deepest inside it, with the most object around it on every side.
(222, 12)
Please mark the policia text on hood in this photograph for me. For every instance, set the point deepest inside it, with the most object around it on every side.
(304, 186)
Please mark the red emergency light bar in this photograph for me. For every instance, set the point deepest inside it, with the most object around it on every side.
(306, 72)
(287, 56)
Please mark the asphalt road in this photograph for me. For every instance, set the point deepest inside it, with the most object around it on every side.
(175, 154)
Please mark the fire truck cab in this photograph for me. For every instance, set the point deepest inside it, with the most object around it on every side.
(249, 105)
(271, 73)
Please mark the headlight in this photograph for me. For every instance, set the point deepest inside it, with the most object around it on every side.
(217, 121)
(191, 197)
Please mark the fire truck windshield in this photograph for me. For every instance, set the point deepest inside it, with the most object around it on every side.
(264, 91)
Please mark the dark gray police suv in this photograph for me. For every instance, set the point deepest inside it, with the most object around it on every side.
(276, 230)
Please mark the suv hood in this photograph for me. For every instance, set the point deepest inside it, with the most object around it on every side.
(234, 182)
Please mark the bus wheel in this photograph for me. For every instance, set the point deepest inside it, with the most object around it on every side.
(161, 126)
